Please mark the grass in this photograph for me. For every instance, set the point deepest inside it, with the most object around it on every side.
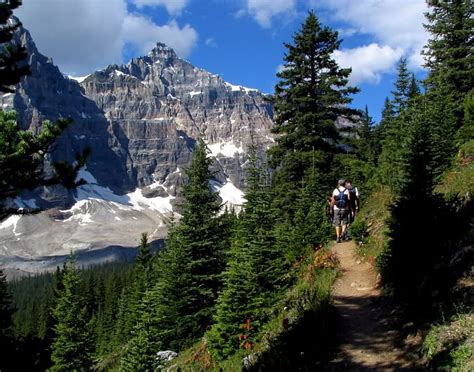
(458, 182)
(449, 346)
(297, 330)
(368, 229)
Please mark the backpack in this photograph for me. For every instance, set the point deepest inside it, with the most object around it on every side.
(341, 202)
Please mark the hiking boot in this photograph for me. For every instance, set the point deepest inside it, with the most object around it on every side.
(338, 240)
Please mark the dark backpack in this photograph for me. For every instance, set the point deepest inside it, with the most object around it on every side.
(341, 202)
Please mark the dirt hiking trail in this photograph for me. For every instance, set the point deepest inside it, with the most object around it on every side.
(367, 337)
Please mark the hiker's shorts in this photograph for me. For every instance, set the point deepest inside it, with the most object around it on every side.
(340, 217)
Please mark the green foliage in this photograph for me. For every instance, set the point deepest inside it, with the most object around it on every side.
(72, 345)
(311, 94)
(406, 226)
(254, 277)
(366, 143)
(299, 325)
(448, 346)
(359, 231)
(370, 224)
(6, 311)
(448, 53)
(456, 184)
(21, 152)
(466, 132)
(310, 227)
(403, 88)
(141, 351)
(394, 130)
(181, 303)
(12, 64)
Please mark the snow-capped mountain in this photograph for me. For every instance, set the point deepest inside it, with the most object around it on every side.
(141, 120)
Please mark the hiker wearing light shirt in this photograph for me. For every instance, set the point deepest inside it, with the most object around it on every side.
(340, 206)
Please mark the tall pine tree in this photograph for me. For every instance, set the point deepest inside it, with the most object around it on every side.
(448, 54)
(12, 57)
(6, 312)
(254, 275)
(72, 346)
(311, 95)
(394, 130)
(21, 152)
(181, 304)
(402, 92)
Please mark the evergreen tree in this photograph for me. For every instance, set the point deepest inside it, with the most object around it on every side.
(21, 152)
(143, 346)
(403, 86)
(72, 346)
(311, 94)
(380, 131)
(254, 275)
(6, 312)
(414, 88)
(12, 57)
(440, 114)
(466, 132)
(22, 155)
(365, 143)
(448, 54)
(189, 269)
(394, 129)
(130, 316)
(414, 245)
(143, 278)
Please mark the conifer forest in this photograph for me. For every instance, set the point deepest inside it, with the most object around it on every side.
(250, 287)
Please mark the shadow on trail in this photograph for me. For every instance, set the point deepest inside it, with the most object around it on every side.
(315, 343)
(362, 329)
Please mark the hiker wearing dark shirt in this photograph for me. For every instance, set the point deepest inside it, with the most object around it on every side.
(354, 200)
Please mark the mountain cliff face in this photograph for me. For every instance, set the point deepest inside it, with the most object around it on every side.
(157, 105)
(141, 121)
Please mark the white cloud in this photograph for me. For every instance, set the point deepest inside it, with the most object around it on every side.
(368, 62)
(83, 36)
(143, 33)
(395, 23)
(172, 6)
(264, 10)
(210, 42)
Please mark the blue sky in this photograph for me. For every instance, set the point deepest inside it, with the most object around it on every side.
(241, 40)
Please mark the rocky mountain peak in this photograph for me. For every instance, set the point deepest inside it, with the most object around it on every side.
(162, 52)
(141, 121)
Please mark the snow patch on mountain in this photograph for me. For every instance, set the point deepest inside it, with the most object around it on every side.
(79, 79)
(228, 149)
(239, 88)
(134, 200)
(229, 194)
(11, 221)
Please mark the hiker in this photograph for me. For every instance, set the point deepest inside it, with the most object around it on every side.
(340, 203)
(354, 200)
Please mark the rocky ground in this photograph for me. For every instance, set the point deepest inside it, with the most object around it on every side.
(368, 336)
